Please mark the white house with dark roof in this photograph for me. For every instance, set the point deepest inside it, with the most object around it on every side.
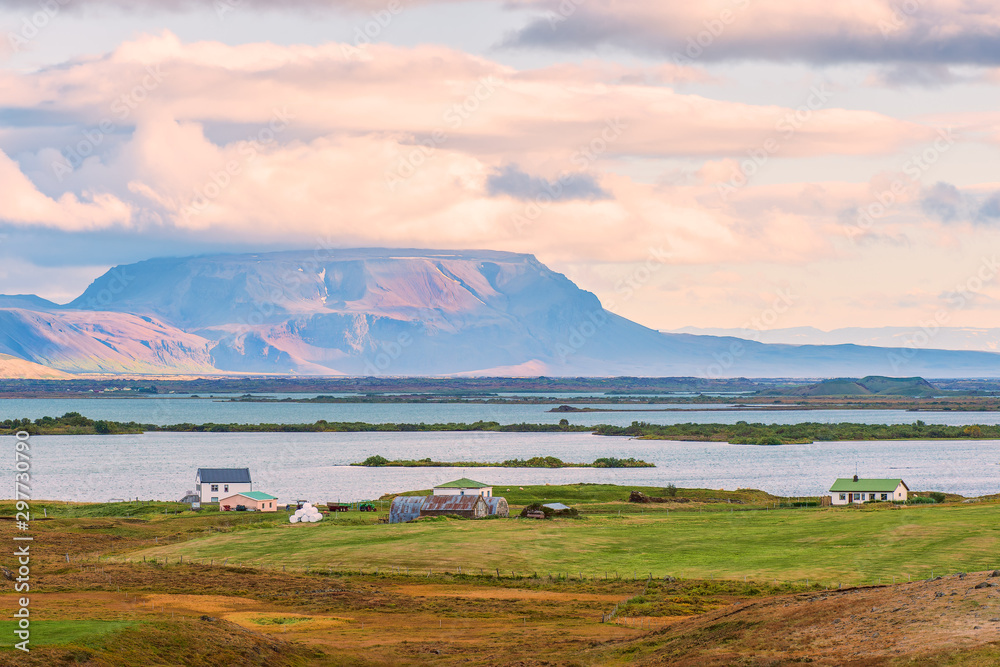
(214, 483)
(852, 491)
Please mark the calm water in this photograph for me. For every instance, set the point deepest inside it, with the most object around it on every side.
(314, 465)
(176, 410)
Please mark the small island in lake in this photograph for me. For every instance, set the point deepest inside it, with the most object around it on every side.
(377, 461)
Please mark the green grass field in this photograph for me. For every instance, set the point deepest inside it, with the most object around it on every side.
(46, 633)
(588, 494)
(849, 545)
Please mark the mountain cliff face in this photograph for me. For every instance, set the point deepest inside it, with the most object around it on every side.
(374, 311)
(395, 312)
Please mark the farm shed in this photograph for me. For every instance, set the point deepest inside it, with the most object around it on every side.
(850, 491)
(252, 500)
(464, 487)
(497, 506)
(408, 508)
(405, 508)
(470, 507)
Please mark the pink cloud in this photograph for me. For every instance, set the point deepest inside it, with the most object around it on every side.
(396, 146)
(23, 204)
(930, 31)
(480, 106)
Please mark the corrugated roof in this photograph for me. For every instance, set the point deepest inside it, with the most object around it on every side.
(451, 503)
(224, 475)
(879, 485)
(255, 495)
(558, 507)
(493, 502)
(464, 483)
(497, 505)
(405, 508)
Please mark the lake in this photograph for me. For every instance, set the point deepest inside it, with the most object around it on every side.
(314, 465)
(176, 410)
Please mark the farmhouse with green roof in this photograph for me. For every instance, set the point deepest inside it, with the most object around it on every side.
(464, 487)
(850, 491)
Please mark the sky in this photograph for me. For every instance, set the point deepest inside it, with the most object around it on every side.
(711, 163)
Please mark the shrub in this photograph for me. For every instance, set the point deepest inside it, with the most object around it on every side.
(375, 461)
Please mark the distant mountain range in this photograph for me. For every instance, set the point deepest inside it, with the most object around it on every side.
(942, 338)
(397, 312)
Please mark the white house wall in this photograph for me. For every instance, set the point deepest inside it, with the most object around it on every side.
(224, 490)
(485, 492)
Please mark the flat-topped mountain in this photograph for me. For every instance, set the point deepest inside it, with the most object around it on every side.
(382, 311)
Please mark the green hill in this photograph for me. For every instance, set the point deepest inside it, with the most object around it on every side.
(872, 385)
(885, 386)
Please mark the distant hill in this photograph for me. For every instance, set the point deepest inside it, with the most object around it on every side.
(29, 301)
(982, 339)
(12, 367)
(873, 385)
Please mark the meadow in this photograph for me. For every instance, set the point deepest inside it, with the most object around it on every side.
(611, 538)
(708, 577)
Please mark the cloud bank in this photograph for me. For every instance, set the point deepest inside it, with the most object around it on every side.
(432, 147)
